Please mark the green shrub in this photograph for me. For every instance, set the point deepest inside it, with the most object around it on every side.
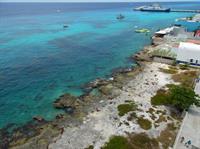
(169, 71)
(161, 98)
(142, 141)
(184, 66)
(125, 108)
(117, 142)
(144, 123)
(178, 96)
(132, 141)
(182, 97)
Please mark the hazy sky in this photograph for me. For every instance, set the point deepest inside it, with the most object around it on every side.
(93, 0)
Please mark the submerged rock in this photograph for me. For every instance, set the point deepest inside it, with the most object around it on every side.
(66, 102)
(38, 118)
(95, 84)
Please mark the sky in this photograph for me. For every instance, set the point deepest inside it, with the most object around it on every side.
(94, 0)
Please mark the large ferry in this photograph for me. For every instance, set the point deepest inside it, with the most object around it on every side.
(153, 8)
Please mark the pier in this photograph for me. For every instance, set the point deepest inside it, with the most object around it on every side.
(182, 10)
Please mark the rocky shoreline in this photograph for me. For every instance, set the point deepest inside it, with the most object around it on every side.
(96, 109)
(75, 108)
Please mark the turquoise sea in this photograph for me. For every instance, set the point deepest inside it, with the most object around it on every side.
(39, 60)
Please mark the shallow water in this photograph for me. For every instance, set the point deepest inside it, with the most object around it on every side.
(39, 60)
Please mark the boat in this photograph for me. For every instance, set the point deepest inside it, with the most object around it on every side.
(153, 8)
(143, 30)
(65, 26)
(120, 17)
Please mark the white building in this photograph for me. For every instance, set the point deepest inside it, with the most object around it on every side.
(188, 53)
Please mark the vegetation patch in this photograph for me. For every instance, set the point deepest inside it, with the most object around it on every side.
(182, 97)
(125, 108)
(144, 123)
(132, 141)
(167, 137)
(178, 96)
(161, 98)
(186, 78)
(169, 71)
(184, 66)
(143, 141)
(117, 142)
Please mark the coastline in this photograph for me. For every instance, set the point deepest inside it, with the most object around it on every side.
(88, 105)
(91, 119)
(85, 105)
(18, 136)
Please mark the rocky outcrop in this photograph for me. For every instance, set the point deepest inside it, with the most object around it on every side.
(95, 84)
(38, 118)
(67, 101)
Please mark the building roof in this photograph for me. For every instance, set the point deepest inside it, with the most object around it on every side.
(187, 51)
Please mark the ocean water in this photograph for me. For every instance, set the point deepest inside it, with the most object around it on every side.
(39, 60)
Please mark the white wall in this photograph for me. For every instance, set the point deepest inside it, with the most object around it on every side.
(188, 51)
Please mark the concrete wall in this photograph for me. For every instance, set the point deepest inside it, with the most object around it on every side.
(163, 60)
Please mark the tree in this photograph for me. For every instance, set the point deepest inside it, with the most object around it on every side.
(182, 97)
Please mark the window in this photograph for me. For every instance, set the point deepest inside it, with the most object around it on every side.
(196, 61)
(191, 60)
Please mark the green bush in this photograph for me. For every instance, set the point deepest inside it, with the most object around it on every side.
(144, 123)
(182, 97)
(142, 141)
(125, 108)
(169, 71)
(178, 96)
(117, 142)
(161, 98)
(132, 141)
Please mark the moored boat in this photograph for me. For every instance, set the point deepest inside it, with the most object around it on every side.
(120, 17)
(153, 8)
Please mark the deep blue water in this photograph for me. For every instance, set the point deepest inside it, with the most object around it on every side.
(39, 60)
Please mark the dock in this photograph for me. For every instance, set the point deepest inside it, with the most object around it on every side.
(182, 10)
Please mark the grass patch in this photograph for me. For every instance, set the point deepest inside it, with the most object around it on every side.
(125, 108)
(142, 141)
(132, 141)
(186, 78)
(161, 98)
(167, 137)
(144, 123)
(184, 66)
(117, 142)
(171, 70)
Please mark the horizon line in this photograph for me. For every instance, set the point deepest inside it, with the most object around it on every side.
(167, 1)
